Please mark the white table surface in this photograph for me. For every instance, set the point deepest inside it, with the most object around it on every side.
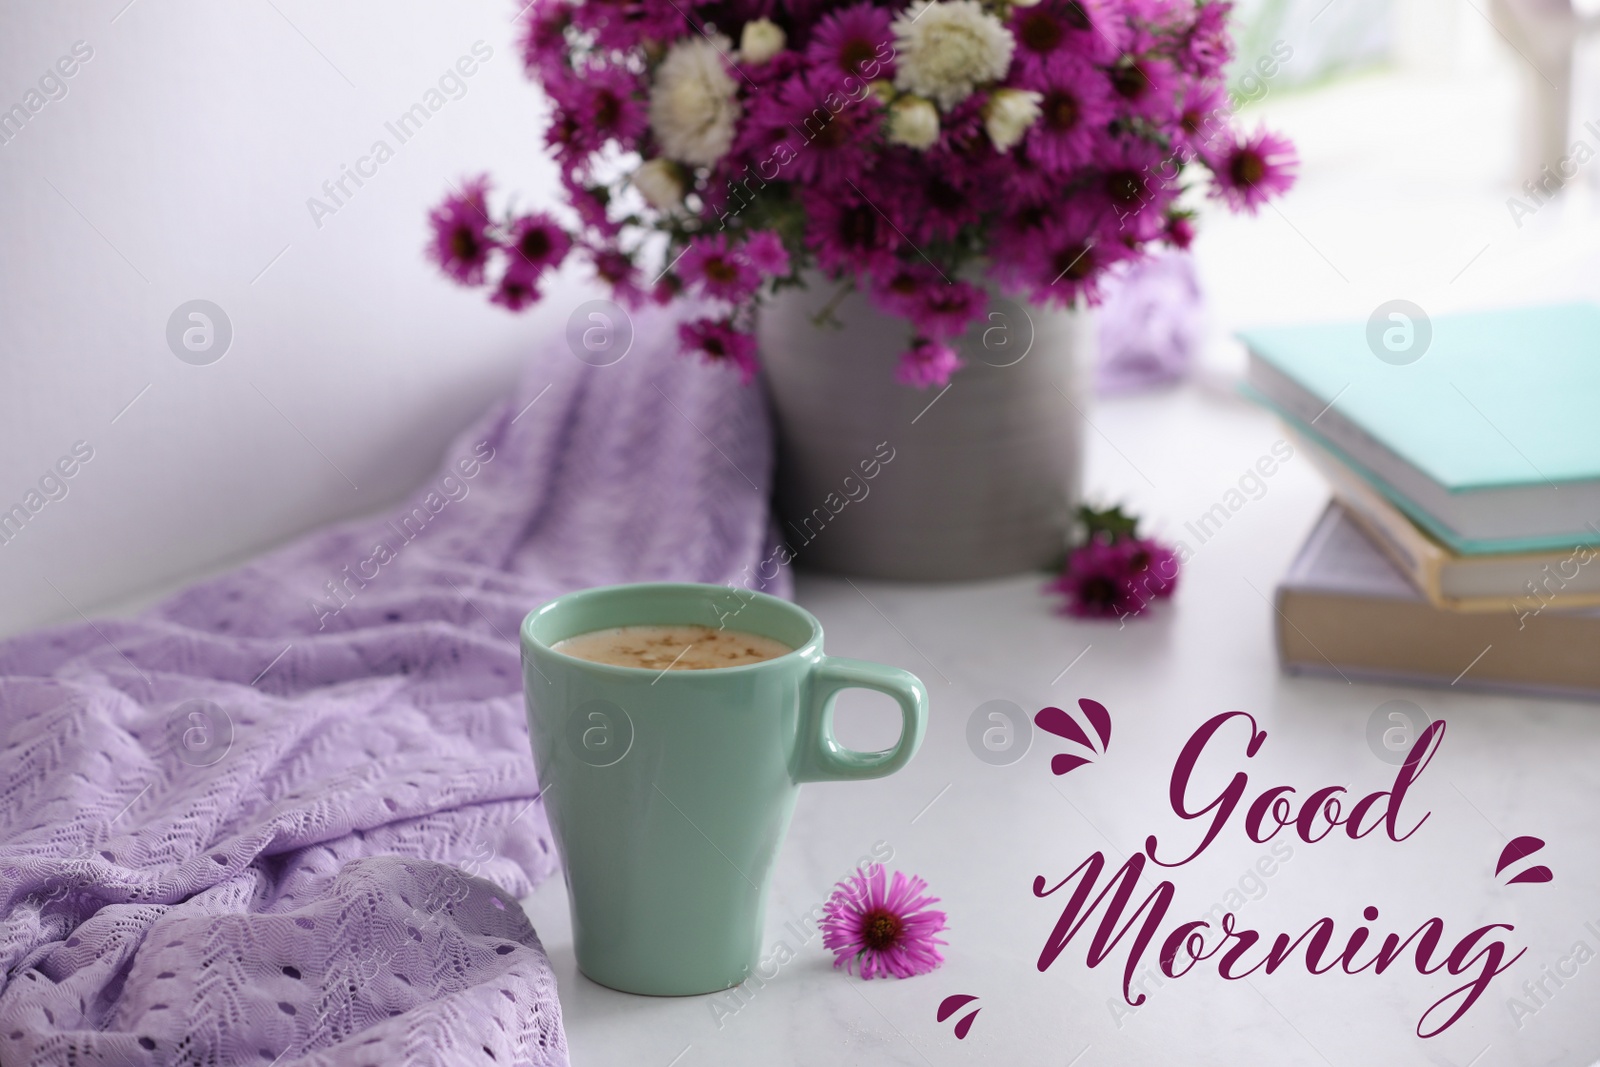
(980, 834)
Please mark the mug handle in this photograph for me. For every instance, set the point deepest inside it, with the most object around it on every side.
(821, 757)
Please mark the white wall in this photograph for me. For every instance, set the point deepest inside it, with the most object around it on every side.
(178, 166)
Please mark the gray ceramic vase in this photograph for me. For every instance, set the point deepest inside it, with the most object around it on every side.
(883, 480)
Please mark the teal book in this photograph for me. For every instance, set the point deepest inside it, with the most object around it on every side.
(1484, 426)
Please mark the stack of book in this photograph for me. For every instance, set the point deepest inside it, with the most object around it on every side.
(1462, 546)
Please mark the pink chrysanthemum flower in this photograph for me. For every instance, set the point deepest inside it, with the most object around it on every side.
(589, 201)
(721, 272)
(517, 289)
(595, 106)
(1096, 583)
(801, 15)
(1075, 105)
(616, 268)
(1134, 185)
(1207, 46)
(622, 24)
(848, 235)
(900, 291)
(1056, 27)
(927, 362)
(928, 203)
(1180, 230)
(1203, 116)
(1026, 181)
(716, 341)
(1152, 568)
(1252, 169)
(1061, 256)
(667, 289)
(962, 148)
(1146, 87)
(544, 40)
(855, 41)
(885, 928)
(538, 243)
(1116, 579)
(764, 249)
(946, 310)
(461, 243)
(829, 148)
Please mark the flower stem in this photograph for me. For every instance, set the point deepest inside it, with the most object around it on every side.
(824, 315)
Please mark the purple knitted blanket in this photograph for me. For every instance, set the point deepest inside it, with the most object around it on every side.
(285, 817)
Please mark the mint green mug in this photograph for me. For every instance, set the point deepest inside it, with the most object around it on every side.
(669, 792)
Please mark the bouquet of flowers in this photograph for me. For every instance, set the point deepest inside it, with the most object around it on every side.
(911, 148)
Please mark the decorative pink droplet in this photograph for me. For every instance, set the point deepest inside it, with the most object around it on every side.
(1061, 724)
(1099, 718)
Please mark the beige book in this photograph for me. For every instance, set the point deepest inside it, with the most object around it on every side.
(1516, 582)
(1344, 610)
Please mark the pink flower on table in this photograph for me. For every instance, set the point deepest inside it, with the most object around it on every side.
(1152, 568)
(883, 927)
(1076, 104)
(1116, 579)
(764, 249)
(717, 341)
(1096, 583)
(854, 41)
(461, 242)
(1252, 169)
(721, 272)
(927, 362)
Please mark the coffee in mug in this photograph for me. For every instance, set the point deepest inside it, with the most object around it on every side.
(672, 648)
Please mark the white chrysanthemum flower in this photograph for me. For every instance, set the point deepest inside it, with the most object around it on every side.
(947, 48)
(913, 122)
(761, 40)
(1008, 114)
(692, 104)
(660, 183)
